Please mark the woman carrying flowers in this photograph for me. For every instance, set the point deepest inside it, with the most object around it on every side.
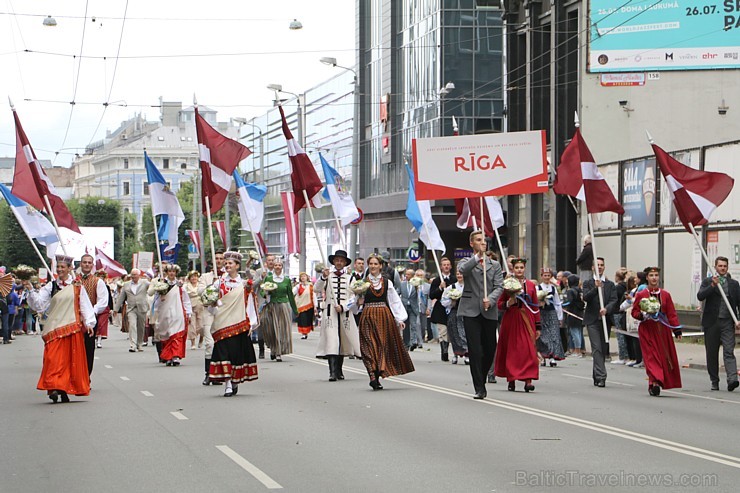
(279, 311)
(516, 356)
(455, 328)
(305, 299)
(653, 307)
(173, 309)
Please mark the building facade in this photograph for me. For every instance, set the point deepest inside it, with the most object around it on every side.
(420, 65)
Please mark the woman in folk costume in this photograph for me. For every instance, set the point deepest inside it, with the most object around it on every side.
(104, 316)
(69, 316)
(235, 317)
(339, 334)
(381, 325)
(279, 312)
(656, 330)
(551, 314)
(516, 356)
(455, 328)
(194, 289)
(305, 300)
(173, 309)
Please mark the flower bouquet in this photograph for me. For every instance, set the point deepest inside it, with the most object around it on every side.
(24, 272)
(268, 286)
(319, 268)
(416, 281)
(160, 287)
(209, 296)
(359, 286)
(650, 305)
(253, 255)
(512, 286)
(454, 294)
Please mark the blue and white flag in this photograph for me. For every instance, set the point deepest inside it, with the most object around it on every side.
(251, 203)
(164, 202)
(419, 212)
(163, 232)
(34, 224)
(336, 193)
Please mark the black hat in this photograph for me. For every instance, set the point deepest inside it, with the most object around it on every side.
(339, 253)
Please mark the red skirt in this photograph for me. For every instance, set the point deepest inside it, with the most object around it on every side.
(103, 320)
(659, 354)
(516, 356)
(65, 366)
(174, 347)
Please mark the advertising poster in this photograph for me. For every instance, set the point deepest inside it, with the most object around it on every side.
(638, 193)
(643, 35)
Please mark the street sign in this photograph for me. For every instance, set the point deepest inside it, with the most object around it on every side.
(413, 253)
(359, 218)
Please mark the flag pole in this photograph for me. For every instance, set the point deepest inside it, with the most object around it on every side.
(709, 266)
(483, 232)
(210, 233)
(254, 238)
(342, 237)
(54, 222)
(156, 239)
(316, 235)
(595, 273)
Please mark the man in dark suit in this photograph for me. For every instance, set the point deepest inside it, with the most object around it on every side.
(479, 309)
(410, 298)
(439, 314)
(592, 319)
(717, 322)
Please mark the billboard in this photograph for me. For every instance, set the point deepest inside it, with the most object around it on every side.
(510, 163)
(644, 35)
(638, 193)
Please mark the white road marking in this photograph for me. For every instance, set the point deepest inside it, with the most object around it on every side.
(126, 379)
(108, 366)
(96, 357)
(611, 382)
(729, 401)
(147, 393)
(260, 476)
(680, 448)
(179, 415)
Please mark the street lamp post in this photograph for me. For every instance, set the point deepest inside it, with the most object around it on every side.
(353, 228)
(300, 135)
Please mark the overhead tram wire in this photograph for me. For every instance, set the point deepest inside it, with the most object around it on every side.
(76, 84)
(113, 77)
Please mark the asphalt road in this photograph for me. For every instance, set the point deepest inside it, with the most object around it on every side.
(146, 427)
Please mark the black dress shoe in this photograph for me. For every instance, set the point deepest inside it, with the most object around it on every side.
(654, 390)
(206, 381)
(715, 386)
(491, 379)
(529, 388)
(732, 385)
(235, 390)
(65, 397)
(600, 383)
(54, 396)
(512, 386)
(480, 395)
(375, 385)
(132, 350)
(332, 377)
(272, 357)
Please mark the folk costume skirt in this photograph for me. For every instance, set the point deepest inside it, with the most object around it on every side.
(277, 330)
(381, 343)
(233, 359)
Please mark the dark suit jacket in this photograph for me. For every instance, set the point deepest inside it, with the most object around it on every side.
(591, 297)
(439, 314)
(712, 298)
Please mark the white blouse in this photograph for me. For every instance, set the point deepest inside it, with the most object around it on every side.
(394, 300)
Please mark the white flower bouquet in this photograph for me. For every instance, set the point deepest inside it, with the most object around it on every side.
(454, 294)
(160, 287)
(359, 286)
(319, 269)
(512, 286)
(417, 281)
(253, 255)
(24, 272)
(209, 296)
(268, 286)
(650, 305)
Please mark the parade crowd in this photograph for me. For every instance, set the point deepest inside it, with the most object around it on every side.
(482, 313)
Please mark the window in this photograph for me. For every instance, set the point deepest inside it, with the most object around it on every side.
(125, 163)
(146, 188)
(166, 163)
(183, 165)
(126, 188)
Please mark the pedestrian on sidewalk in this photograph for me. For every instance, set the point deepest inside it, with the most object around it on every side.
(479, 309)
(574, 318)
(592, 319)
(717, 323)
(656, 336)
(635, 283)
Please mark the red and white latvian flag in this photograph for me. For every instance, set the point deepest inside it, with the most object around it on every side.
(303, 175)
(468, 214)
(696, 194)
(220, 227)
(219, 157)
(31, 184)
(194, 238)
(579, 177)
(110, 266)
(291, 222)
(261, 245)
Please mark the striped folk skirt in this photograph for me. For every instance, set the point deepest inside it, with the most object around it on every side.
(277, 329)
(233, 359)
(381, 343)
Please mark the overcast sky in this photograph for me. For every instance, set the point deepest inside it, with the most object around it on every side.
(246, 45)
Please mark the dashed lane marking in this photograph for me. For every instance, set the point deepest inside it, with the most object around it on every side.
(260, 476)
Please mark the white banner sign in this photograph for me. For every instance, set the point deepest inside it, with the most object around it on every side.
(145, 261)
(511, 163)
